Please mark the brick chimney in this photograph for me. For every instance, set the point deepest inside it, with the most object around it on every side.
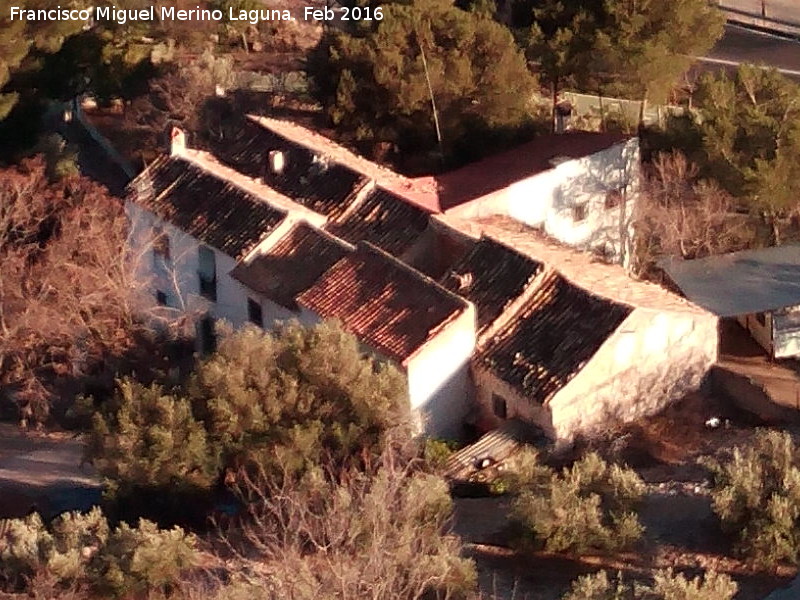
(178, 141)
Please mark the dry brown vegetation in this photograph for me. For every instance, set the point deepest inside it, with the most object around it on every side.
(68, 299)
(681, 216)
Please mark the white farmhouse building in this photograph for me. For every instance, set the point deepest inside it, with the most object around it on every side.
(226, 246)
(283, 224)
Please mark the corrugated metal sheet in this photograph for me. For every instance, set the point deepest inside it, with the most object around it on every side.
(740, 283)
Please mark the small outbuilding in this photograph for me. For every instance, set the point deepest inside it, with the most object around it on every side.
(760, 289)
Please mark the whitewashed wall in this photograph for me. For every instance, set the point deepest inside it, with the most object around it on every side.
(651, 360)
(546, 200)
(518, 406)
(179, 280)
(439, 382)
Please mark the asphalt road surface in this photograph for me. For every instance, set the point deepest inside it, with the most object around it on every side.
(739, 45)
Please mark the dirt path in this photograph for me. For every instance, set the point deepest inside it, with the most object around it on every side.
(42, 472)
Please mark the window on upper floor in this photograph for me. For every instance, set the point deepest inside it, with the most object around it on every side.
(207, 273)
(762, 319)
(255, 313)
(579, 212)
(614, 198)
(499, 407)
(161, 248)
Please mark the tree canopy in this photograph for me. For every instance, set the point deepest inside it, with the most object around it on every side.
(279, 402)
(616, 47)
(19, 39)
(750, 129)
(381, 84)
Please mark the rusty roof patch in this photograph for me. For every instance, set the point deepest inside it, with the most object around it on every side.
(292, 265)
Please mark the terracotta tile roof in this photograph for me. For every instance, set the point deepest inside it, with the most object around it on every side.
(308, 178)
(382, 219)
(581, 268)
(439, 193)
(491, 276)
(557, 332)
(389, 306)
(420, 191)
(203, 205)
(501, 170)
(292, 265)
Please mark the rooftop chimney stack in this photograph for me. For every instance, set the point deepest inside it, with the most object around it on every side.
(178, 141)
(277, 161)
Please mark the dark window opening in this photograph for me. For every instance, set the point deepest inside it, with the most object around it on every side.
(208, 335)
(613, 199)
(207, 273)
(499, 407)
(762, 319)
(255, 312)
(161, 298)
(578, 212)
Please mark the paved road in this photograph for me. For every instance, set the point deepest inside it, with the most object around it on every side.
(744, 45)
(785, 10)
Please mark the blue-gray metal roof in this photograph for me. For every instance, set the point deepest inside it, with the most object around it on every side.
(740, 283)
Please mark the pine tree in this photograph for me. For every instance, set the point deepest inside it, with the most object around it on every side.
(145, 438)
(291, 398)
(750, 127)
(617, 47)
(381, 85)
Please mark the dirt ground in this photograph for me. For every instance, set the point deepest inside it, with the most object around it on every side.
(42, 472)
(682, 531)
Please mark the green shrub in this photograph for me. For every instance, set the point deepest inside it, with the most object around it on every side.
(756, 495)
(437, 452)
(137, 559)
(588, 507)
(666, 586)
(145, 437)
(80, 549)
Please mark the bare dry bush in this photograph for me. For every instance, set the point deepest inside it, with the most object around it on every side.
(69, 298)
(679, 216)
(667, 585)
(378, 533)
